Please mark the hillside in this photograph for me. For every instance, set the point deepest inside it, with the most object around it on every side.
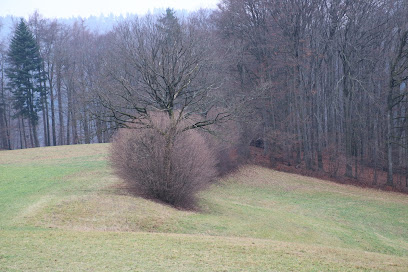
(63, 210)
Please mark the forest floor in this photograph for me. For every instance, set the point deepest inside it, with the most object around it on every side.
(62, 209)
(333, 171)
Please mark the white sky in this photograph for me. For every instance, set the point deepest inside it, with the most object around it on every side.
(85, 8)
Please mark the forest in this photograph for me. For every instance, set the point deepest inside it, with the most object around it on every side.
(316, 85)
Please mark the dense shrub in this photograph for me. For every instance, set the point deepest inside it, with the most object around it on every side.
(227, 151)
(228, 144)
(138, 156)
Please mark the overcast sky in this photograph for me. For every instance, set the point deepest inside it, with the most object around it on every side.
(85, 8)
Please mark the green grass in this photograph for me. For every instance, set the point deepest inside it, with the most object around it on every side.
(63, 210)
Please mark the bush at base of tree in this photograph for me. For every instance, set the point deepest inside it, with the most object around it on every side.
(138, 156)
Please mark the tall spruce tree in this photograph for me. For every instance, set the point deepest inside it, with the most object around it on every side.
(25, 77)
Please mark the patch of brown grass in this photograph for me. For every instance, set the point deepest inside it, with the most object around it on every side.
(50, 154)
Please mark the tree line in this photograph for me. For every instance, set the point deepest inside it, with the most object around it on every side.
(319, 85)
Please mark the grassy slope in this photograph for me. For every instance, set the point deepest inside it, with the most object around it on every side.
(61, 210)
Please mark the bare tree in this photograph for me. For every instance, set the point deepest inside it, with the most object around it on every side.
(162, 66)
(159, 65)
(397, 94)
(4, 109)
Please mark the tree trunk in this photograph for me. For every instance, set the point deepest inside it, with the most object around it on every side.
(3, 120)
(60, 111)
(20, 134)
(54, 134)
(33, 127)
(86, 128)
(35, 135)
(349, 138)
(48, 121)
(46, 140)
(3, 135)
(375, 179)
(75, 138)
(99, 134)
(73, 113)
(169, 138)
(390, 181)
(69, 117)
(8, 122)
(24, 134)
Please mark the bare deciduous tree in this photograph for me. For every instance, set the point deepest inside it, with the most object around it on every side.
(159, 65)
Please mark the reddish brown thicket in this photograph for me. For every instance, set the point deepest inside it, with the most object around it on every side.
(138, 156)
(228, 144)
(368, 176)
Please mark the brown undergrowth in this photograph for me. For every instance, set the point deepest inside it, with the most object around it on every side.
(365, 175)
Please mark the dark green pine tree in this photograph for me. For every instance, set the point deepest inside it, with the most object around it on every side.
(169, 27)
(25, 76)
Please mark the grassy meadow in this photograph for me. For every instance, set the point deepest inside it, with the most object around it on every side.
(62, 209)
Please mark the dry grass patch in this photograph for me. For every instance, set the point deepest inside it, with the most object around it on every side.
(260, 176)
(54, 154)
(109, 213)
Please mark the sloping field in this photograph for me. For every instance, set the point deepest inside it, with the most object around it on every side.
(63, 210)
